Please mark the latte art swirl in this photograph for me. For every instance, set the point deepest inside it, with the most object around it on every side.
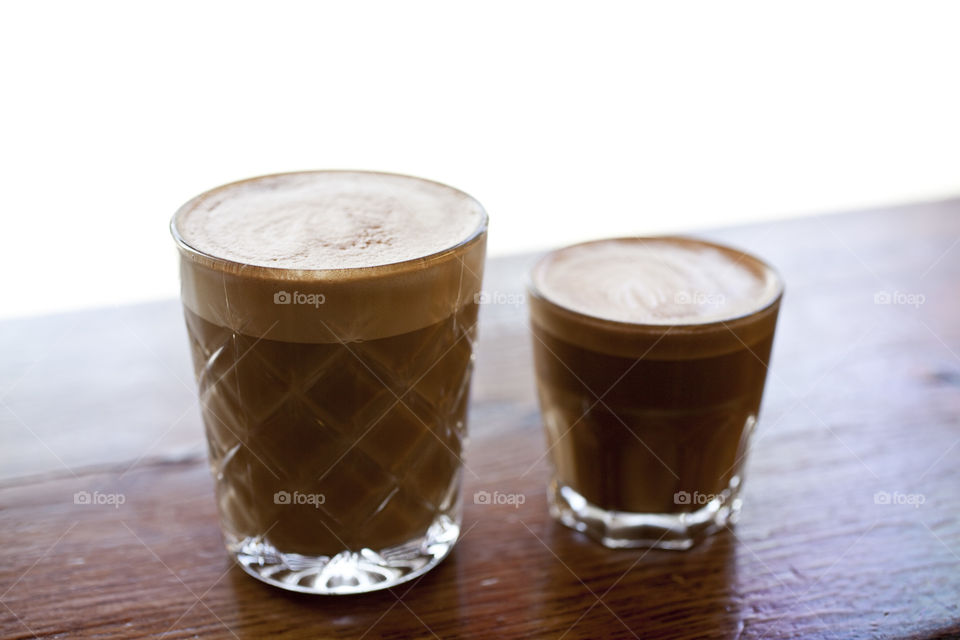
(662, 281)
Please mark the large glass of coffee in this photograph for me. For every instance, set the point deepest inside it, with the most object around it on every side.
(651, 356)
(331, 317)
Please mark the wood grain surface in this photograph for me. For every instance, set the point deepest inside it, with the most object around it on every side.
(850, 529)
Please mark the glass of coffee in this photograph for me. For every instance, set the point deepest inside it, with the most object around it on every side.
(651, 356)
(331, 317)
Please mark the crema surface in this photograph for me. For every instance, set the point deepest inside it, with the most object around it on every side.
(659, 281)
(328, 220)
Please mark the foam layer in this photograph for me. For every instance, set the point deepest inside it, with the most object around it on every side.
(658, 281)
(328, 220)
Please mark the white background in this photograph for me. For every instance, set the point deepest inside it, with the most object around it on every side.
(567, 121)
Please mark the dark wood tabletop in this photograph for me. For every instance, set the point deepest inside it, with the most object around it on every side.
(851, 518)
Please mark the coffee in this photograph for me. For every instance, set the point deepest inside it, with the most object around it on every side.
(331, 318)
(651, 356)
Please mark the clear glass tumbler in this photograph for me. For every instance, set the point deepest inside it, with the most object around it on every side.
(334, 402)
(648, 424)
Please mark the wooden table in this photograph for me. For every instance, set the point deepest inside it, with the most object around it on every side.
(851, 524)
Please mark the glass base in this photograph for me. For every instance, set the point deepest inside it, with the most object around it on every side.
(348, 571)
(619, 529)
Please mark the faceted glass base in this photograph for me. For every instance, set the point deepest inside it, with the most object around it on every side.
(348, 571)
(618, 529)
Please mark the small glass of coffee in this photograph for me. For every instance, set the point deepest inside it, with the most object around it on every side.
(331, 319)
(651, 356)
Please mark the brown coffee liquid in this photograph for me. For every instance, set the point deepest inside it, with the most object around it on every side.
(378, 439)
(663, 426)
(331, 317)
(636, 412)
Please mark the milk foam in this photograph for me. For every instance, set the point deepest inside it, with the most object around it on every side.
(328, 220)
(660, 281)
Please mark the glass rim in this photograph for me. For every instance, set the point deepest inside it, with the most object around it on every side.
(280, 272)
(622, 326)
